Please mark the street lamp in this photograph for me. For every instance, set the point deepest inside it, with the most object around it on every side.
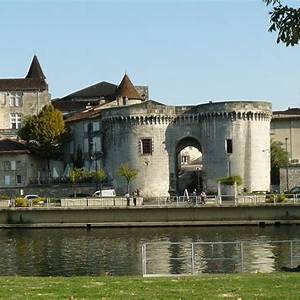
(287, 164)
(198, 179)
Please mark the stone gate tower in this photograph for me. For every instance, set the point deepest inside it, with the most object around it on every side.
(233, 137)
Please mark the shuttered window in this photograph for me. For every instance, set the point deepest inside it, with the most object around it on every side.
(146, 146)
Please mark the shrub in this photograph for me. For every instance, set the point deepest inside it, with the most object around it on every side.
(281, 198)
(276, 199)
(4, 197)
(230, 180)
(22, 202)
(38, 200)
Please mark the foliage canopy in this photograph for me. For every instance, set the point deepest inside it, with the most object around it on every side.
(230, 180)
(45, 133)
(285, 20)
(128, 173)
(279, 156)
(279, 159)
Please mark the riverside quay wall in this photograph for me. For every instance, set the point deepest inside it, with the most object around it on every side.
(127, 217)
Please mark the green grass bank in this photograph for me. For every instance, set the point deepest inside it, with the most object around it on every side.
(236, 286)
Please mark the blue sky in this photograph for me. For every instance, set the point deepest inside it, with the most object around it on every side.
(187, 52)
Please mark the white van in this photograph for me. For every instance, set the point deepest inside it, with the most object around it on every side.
(105, 193)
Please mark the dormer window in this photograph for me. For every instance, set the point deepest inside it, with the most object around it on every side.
(125, 100)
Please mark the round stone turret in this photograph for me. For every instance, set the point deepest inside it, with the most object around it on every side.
(148, 136)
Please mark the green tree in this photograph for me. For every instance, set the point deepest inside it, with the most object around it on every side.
(45, 134)
(75, 176)
(100, 176)
(285, 20)
(230, 180)
(279, 159)
(128, 173)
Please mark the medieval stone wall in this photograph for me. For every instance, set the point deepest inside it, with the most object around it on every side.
(246, 124)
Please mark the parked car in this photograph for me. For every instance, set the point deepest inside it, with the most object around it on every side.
(30, 197)
(295, 190)
(30, 200)
(105, 193)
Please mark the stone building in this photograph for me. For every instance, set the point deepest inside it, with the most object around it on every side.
(99, 94)
(86, 143)
(20, 97)
(285, 128)
(18, 167)
(232, 137)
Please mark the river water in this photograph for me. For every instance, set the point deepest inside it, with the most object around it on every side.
(77, 252)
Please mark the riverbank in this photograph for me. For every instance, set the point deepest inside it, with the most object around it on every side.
(230, 286)
(44, 217)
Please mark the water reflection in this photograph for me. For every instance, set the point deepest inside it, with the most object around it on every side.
(68, 252)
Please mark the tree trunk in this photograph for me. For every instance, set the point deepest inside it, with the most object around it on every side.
(128, 187)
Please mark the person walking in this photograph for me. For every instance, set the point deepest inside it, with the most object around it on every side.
(202, 197)
(127, 198)
(134, 198)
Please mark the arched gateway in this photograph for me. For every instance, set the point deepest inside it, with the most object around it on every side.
(231, 136)
(188, 168)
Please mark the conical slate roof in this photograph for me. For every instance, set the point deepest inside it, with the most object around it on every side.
(35, 70)
(34, 80)
(127, 89)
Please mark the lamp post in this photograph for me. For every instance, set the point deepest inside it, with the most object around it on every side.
(287, 164)
(198, 179)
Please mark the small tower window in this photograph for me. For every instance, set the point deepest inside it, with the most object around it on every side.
(229, 146)
(146, 146)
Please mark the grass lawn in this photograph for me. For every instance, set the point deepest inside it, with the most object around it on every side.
(238, 286)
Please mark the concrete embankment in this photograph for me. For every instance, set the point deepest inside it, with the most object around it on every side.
(146, 216)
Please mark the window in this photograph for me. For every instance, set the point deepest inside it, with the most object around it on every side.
(184, 159)
(7, 180)
(229, 145)
(7, 165)
(15, 121)
(15, 99)
(96, 126)
(2, 99)
(13, 165)
(146, 146)
(85, 145)
(19, 179)
(97, 143)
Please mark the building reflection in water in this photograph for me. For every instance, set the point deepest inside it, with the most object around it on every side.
(67, 252)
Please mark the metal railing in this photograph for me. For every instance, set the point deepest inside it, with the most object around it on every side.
(218, 257)
(174, 201)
